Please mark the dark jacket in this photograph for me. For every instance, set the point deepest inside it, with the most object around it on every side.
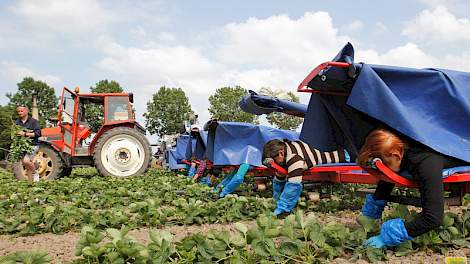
(31, 125)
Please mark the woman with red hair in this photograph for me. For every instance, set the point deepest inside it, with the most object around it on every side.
(425, 165)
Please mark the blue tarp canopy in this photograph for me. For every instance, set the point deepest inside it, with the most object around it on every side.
(173, 160)
(431, 106)
(258, 104)
(197, 148)
(234, 143)
(177, 154)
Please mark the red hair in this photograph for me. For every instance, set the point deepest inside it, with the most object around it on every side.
(380, 143)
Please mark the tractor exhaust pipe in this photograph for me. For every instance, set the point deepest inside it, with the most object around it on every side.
(34, 110)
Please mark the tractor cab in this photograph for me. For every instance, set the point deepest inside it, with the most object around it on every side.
(110, 108)
(93, 130)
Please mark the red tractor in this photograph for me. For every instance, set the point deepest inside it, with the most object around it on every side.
(119, 148)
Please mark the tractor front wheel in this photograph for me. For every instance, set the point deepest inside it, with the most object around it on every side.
(122, 152)
(49, 165)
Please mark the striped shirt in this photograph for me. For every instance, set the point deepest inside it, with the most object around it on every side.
(300, 157)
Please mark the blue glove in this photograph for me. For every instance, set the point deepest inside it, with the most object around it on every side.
(392, 233)
(278, 187)
(192, 171)
(206, 180)
(289, 198)
(373, 208)
(375, 242)
(237, 179)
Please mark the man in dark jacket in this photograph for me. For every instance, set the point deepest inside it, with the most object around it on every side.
(31, 129)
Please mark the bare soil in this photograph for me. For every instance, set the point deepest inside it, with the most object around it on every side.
(61, 247)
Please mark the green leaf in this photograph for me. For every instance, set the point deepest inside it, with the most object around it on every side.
(447, 221)
(241, 228)
(264, 247)
(461, 243)
(290, 248)
(369, 224)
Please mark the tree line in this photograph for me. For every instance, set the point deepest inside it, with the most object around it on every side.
(167, 110)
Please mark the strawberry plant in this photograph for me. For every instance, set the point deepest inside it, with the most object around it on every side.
(19, 145)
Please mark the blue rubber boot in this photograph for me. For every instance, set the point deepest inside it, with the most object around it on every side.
(278, 187)
(192, 171)
(207, 180)
(392, 233)
(289, 198)
(373, 208)
(236, 181)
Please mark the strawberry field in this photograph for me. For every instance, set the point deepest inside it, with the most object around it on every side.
(162, 217)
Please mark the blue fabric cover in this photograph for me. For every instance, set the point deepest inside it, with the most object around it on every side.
(198, 145)
(173, 160)
(236, 143)
(190, 148)
(447, 172)
(373, 208)
(177, 154)
(181, 145)
(431, 106)
(258, 104)
(289, 198)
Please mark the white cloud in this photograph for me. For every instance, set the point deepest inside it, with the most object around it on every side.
(438, 25)
(457, 6)
(14, 72)
(408, 55)
(275, 52)
(170, 65)
(63, 16)
(281, 41)
(138, 32)
(356, 25)
(459, 62)
(380, 28)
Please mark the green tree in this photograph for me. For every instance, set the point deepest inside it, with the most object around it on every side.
(46, 98)
(7, 115)
(281, 120)
(95, 112)
(224, 105)
(167, 111)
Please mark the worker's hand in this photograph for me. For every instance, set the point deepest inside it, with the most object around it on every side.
(21, 133)
(375, 242)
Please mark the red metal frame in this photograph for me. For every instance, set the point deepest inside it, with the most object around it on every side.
(303, 85)
(356, 174)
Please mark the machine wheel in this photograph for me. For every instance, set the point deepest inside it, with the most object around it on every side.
(122, 152)
(50, 165)
(66, 172)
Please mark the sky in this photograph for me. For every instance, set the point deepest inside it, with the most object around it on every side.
(202, 45)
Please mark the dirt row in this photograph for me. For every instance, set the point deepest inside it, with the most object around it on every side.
(61, 247)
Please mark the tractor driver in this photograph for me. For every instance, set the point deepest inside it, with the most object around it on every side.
(31, 129)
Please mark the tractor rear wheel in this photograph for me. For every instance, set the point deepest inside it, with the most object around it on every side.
(50, 165)
(122, 152)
